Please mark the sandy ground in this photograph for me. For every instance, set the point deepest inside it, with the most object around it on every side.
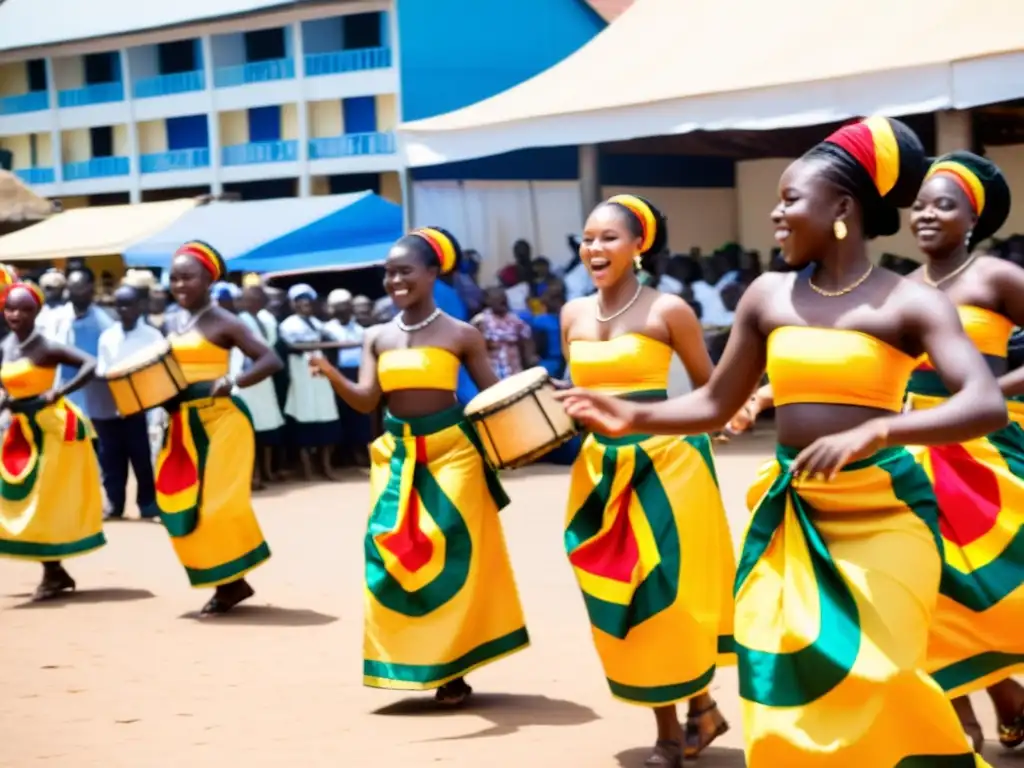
(122, 675)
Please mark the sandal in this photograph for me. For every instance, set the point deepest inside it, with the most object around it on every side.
(224, 600)
(453, 693)
(1011, 735)
(699, 736)
(668, 753)
(53, 584)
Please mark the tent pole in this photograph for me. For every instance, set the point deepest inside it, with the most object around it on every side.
(590, 177)
(953, 130)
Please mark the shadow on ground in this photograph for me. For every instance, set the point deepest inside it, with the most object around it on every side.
(506, 712)
(87, 597)
(265, 616)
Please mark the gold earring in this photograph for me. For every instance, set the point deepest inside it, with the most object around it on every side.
(638, 262)
(839, 230)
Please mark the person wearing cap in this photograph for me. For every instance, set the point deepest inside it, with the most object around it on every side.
(261, 398)
(343, 328)
(311, 411)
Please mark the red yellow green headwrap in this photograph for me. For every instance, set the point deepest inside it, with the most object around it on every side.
(31, 289)
(206, 255)
(880, 162)
(644, 213)
(8, 277)
(443, 244)
(984, 186)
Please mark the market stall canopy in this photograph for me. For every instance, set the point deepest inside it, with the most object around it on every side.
(18, 203)
(96, 231)
(343, 231)
(675, 66)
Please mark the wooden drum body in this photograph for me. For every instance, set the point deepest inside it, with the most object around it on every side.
(519, 420)
(146, 380)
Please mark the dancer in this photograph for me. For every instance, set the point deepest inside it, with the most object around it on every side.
(51, 505)
(204, 470)
(976, 639)
(841, 564)
(646, 531)
(440, 596)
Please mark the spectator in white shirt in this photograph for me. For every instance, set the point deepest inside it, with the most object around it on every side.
(343, 328)
(124, 440)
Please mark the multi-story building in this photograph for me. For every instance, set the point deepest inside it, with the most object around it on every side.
(133, 101)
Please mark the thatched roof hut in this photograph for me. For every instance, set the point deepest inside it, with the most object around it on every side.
(19, 205)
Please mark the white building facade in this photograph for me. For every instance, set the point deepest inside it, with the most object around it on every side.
(300, 96)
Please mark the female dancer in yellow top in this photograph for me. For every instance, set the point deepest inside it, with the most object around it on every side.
(51, 505)
(440, 597)
(646, 531)
(977, 638)
(204, 469)
(840, 568)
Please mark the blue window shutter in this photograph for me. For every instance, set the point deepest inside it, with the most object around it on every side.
(360, 114)
(190, 132)
(265, 124)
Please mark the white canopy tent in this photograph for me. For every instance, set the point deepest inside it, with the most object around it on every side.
(675, 66)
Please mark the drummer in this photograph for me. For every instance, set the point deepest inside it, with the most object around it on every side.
(440, 599)
(51, 505)
(646, 532)
(204, 470)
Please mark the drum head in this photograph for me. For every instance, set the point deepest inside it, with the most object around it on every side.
(507, 390)
(140, 359)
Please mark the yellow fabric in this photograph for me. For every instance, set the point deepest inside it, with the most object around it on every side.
(418, 368)
(643, 212)
(51, 505)
(203, 484)
(989, 330)
(826, 365)
(887, 153)
(23, 378)
(648, 541)
(835, 593)
(628, 363)
(200, 359)
(440, 598)
(975, 638)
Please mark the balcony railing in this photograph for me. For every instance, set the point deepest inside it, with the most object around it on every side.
(168, 85)
(101, 93)
(257, 72)
(35, 176)
(97, 168)
(352, 144)
(175, 160)
(338, 62)
(284, 151)
(36, 101)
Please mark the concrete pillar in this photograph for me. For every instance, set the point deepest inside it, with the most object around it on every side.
(212, 116)
(953, 131)
(590, 177)
(299, 57)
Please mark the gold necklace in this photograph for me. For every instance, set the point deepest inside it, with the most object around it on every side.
(842, 291)
(936, 283)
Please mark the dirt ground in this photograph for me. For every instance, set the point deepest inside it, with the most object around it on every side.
(122, 675)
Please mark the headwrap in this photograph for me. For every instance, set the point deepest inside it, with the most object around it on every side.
(252, 280)
(301, 291)
(206, 255)
(338, 296)
(881, 163)
(8, 278)
(984, 186)
(651, 221)
(443, 244)
(32, 289)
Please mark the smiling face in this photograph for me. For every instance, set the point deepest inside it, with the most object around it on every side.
(407, 278)
(190, 282)
(608, 245)
(20, 310)
(808, 208)
(941, 216)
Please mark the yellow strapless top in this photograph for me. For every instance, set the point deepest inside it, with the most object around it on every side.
(628, 363)
(418, 368)
(23, 378)
(828, 365)
(200, 359)
(989, 330)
